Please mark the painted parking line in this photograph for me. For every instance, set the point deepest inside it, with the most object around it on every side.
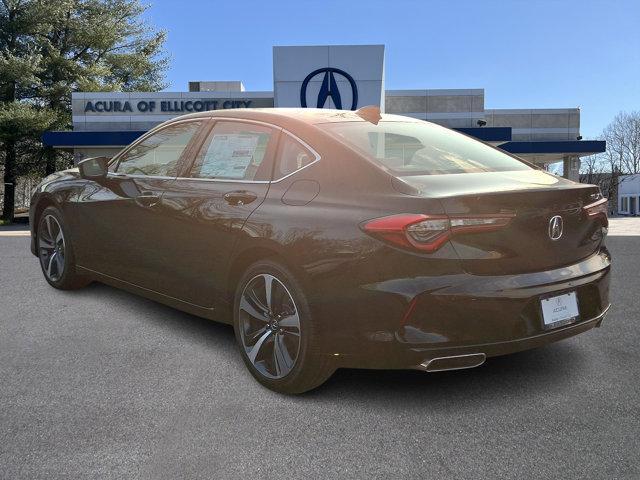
(15, 233)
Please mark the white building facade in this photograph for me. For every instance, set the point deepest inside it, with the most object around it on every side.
(629, 194)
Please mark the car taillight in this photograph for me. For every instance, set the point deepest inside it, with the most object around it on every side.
(597, 208)
(427, 233)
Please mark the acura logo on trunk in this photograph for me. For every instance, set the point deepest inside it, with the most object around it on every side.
(555, 227)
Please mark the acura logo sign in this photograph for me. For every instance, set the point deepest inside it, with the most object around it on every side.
(555, 227)
(329, 88)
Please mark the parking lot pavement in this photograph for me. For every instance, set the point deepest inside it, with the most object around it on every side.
(624, 226)
(98, 383)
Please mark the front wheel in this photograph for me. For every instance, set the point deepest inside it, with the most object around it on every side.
(55, 252)
(278, 339)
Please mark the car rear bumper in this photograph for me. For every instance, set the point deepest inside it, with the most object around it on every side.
(469, 314)
(511, 346)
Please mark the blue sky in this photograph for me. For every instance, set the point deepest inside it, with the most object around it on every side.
(525, 54)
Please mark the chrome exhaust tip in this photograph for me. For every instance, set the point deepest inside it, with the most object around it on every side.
(455, 362)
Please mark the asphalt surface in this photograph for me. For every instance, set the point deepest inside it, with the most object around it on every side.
(99, 383)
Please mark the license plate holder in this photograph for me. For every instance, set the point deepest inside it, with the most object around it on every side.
(559, 310)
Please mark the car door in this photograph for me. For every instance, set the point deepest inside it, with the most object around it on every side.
(122, 220)
(211, 200)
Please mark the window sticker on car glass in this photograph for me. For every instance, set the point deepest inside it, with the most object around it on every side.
(229, 155)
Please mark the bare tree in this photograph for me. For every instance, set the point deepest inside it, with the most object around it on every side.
(623, 147)
(591, 168)
(623, 142)
(622, 156)
(598, 169)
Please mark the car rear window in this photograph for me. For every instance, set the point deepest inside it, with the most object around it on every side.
(421, 148)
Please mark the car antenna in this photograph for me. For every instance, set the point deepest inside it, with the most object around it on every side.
(370, 113)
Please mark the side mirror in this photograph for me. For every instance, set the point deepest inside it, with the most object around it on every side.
(95, 168)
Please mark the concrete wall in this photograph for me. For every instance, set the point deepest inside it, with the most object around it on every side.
(537, 124)
(451, 108)
(216, 86)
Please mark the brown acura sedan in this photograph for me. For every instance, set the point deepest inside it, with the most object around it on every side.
(334, 239)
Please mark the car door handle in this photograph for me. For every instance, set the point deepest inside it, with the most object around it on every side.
(239, 197)
(147, 199)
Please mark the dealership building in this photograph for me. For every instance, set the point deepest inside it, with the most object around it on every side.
(335, 76)
(629, 195)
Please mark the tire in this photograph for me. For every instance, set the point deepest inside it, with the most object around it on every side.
(266, 331)
(55, 252)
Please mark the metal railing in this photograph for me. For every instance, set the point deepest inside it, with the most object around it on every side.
(24, 187)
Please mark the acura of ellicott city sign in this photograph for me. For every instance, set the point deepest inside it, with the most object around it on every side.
(168, 106)
(333, 83)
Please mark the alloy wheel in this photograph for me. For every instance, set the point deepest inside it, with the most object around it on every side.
(269, 324)
(51, 248)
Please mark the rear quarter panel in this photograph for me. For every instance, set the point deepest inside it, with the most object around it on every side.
(321, 241)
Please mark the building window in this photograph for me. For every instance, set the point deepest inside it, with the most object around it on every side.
(624, 204)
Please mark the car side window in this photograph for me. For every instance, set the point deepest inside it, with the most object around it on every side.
(159, 154)
(292, 156)
(235, 151)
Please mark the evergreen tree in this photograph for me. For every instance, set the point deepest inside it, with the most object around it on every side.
(49, 49)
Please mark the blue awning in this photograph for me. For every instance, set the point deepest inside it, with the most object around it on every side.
(488, 134)
(90, 139)
(577, 147)
(123, 138)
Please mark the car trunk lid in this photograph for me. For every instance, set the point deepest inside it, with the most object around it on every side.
(525, 244)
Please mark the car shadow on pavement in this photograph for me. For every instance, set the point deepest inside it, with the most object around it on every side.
(187, 326)
(545, 368)
(496, 383)
(541, 363)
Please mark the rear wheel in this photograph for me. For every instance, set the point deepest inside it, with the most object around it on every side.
(56, 252)
(274, 329)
